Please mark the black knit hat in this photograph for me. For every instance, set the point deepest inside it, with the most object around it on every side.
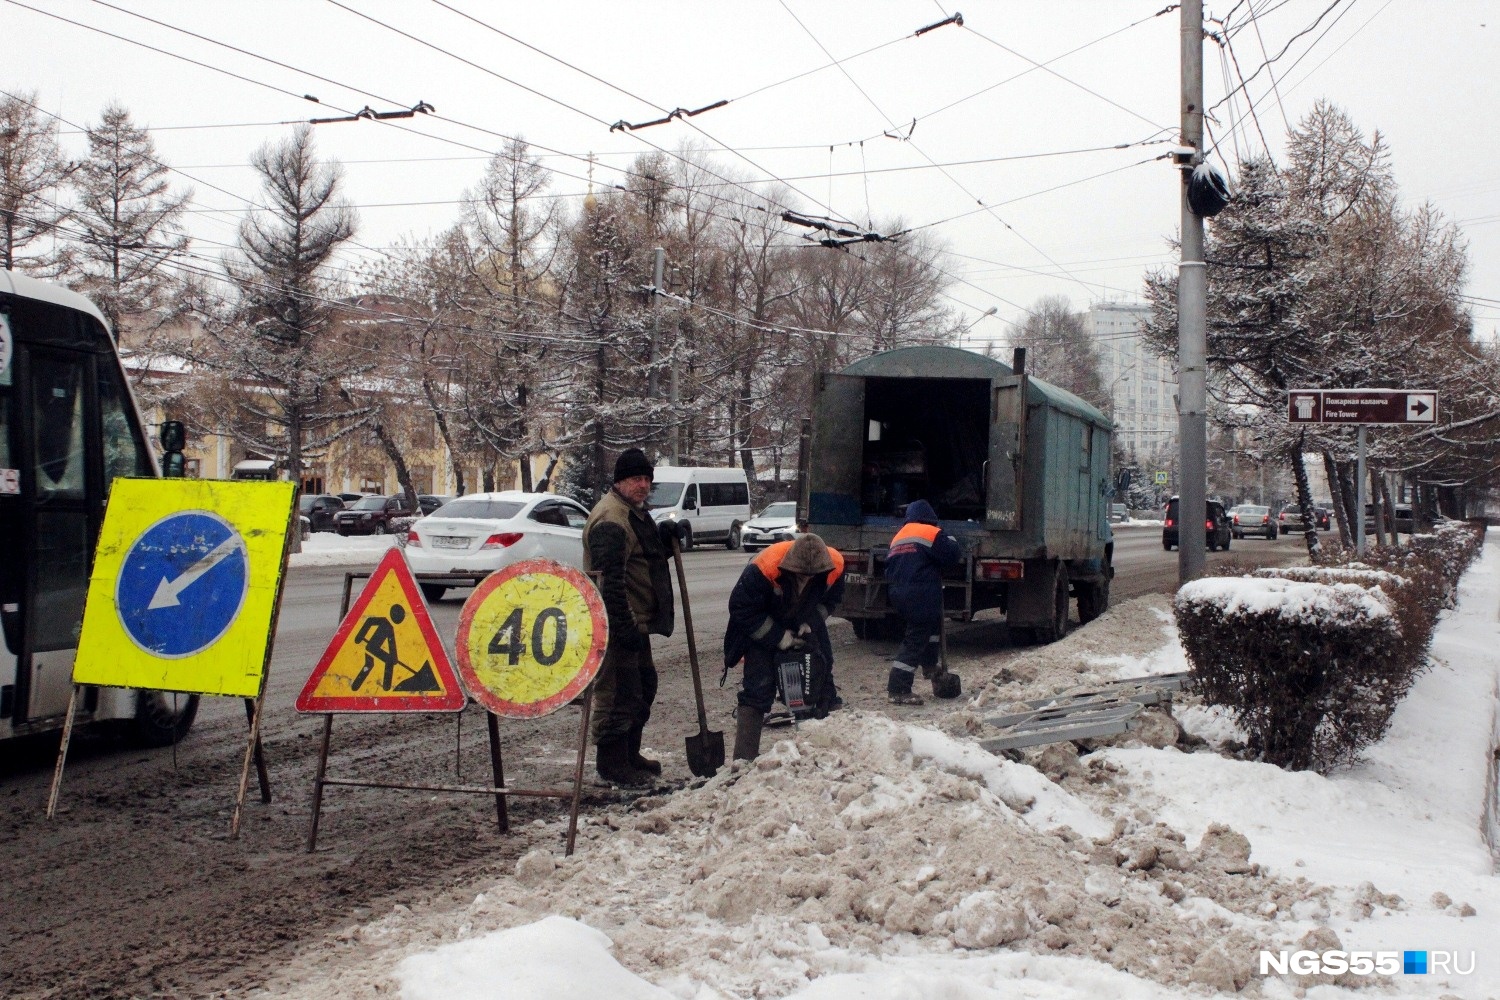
(633, 462)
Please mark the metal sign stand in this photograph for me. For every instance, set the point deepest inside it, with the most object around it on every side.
(497, 766)
(254, 750)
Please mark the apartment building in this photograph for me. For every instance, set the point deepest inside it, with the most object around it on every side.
(1141, 384)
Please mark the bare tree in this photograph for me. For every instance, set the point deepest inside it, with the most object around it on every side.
(31, 172)
(1060, 350)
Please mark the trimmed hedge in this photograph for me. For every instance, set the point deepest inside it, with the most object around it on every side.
(1313, 660)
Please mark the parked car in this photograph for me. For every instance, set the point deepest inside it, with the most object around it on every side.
(429, 502)
(319, 509)
(1251, 519)
(1118, 513)
(370, 515)
(1404, 519)
(1290, 519)
(1216, 527)
(350, 498)
(483, 532)
(775, 523)
(304, 526)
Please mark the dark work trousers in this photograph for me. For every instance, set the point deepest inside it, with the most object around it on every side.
(919, 648)
(624, 691)
(759, 690)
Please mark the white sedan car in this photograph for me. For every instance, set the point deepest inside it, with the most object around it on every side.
(774, 524)
(483, 532)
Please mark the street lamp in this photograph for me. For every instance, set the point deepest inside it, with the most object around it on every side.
(963, 331)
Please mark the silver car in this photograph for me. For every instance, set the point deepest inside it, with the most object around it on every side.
(483, 532)
(774, 524)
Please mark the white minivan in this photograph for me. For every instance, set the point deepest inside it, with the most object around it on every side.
(712, 504)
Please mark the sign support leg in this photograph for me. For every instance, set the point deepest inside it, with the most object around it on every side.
(497, 767)
(260, 755)
(62, 754)
(317, 797)
(250, 747)
(578, 765)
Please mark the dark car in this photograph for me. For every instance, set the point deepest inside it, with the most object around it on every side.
(1290, 519)
(1251, 519)
(349, 498)
(319, 509)
(1216, 527)
(1323, 517)
(370, 515)
(429, 503)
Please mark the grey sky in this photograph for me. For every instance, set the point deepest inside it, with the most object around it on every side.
(1053, 209)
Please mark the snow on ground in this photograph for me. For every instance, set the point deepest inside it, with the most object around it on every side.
(864, 857)
(325, 548)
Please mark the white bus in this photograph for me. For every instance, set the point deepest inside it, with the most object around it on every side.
(68, 426)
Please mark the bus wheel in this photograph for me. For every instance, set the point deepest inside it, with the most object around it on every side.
(163, 718)
(685, 539)
(733, 541)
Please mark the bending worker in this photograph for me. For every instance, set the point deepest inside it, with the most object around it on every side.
(914, 579)
(625, 548)
(780, 603)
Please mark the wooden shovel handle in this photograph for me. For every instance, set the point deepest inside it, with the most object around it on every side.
(687, 619)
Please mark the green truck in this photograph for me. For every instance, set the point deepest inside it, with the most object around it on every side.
(1017, 469)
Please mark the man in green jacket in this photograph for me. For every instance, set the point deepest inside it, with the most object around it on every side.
(624, 546)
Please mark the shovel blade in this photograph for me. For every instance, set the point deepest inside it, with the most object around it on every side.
(705, 753)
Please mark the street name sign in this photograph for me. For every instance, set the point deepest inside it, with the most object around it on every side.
(1362, 406)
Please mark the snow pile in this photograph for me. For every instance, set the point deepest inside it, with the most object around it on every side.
(1289, 600)
(324, 548)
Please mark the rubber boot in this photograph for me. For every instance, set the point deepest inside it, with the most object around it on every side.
(636, 760)
(612, 760)
(747, 733)
(898, 687)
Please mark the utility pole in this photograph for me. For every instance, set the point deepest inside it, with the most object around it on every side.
(653, 380)
(1192, 294)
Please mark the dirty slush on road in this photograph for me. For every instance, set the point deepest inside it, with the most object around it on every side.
(141, 892)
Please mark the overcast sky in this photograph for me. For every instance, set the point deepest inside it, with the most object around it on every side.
(1012, 161)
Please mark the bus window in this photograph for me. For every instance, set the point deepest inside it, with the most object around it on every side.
(57, 408)
(124, 454)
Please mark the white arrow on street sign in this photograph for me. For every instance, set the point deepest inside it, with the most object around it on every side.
(1421, 407)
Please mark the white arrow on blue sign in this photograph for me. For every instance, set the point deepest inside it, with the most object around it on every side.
(182, 584)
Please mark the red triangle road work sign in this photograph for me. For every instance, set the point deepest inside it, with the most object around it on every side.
(386, 655)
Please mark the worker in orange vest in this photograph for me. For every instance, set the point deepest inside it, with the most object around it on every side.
(914, 580)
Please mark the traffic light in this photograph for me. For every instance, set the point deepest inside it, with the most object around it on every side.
(173, 437)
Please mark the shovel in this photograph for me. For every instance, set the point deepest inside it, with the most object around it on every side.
(705, 751)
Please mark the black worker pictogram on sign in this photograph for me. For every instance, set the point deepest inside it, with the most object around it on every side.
(386, 655)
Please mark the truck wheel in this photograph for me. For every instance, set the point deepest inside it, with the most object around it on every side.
(1093, 601)
(162, 718)
(1058, 627)
(733, 541)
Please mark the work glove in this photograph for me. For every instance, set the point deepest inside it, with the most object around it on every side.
(668, 532)
(804, 631)
(787, 640)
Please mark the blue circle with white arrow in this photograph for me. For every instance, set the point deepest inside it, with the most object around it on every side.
(182, 584)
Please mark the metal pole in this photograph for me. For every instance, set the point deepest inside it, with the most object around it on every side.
(653, 380)
(1192, 422)
(1359, 495)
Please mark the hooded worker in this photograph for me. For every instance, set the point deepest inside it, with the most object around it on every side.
(914, 579)
(781, 602)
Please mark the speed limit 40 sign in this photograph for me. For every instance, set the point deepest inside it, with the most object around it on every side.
(530, 638)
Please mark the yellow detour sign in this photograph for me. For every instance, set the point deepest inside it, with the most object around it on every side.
(530, 638)
(185, 583)
(386, 656)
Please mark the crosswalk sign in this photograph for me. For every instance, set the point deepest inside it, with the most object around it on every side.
(386, 655)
